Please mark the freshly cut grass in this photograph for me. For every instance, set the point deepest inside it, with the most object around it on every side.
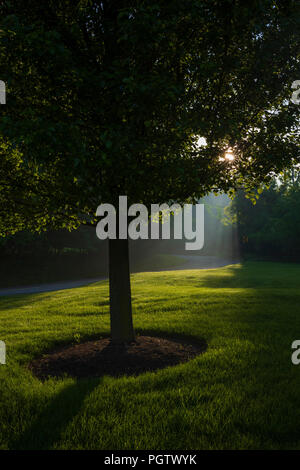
(242, 393)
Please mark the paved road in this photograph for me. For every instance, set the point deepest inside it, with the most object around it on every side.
(189, 262)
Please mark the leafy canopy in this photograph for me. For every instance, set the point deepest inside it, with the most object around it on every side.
(108, 98)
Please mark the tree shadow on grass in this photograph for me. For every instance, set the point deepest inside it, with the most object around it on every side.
(15, 301)
(52, 420)
(18, 301)
(49, 424)
(253, 275)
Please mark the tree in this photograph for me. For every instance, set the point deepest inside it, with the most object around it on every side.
(271, 228)
(108, 98)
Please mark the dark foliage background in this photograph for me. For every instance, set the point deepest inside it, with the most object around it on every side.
(270, 229)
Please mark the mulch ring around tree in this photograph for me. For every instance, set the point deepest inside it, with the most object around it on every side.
(98, 358)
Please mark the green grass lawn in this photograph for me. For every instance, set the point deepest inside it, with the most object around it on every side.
(242, 393)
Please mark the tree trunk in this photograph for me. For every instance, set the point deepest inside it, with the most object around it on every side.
(119, 291)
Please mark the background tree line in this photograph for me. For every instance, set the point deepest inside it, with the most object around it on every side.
(55, 255)
(270, 228)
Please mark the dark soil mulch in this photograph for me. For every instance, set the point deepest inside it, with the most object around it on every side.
(97, 358)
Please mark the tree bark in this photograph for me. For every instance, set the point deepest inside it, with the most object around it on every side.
(120, 293)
